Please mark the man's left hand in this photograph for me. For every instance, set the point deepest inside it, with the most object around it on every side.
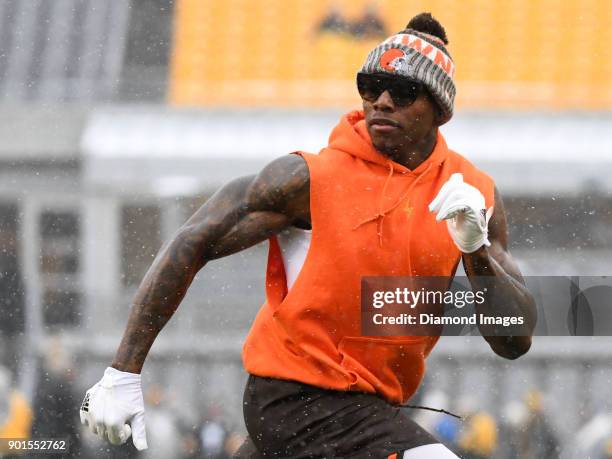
(463, 207)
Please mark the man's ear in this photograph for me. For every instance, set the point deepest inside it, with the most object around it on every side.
(439, 115)
(439, 112)
(436, 106)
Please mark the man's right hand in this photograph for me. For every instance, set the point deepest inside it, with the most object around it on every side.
(111, 404)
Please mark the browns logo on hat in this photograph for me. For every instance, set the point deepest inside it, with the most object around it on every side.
(421, 57)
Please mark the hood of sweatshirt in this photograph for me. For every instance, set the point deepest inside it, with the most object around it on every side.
(351, 136)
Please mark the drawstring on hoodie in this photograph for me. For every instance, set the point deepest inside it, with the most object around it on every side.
(381, 214)
(437, 410)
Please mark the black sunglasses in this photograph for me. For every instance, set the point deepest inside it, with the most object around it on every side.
(403, 91)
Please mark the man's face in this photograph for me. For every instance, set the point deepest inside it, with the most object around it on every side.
(397, 126)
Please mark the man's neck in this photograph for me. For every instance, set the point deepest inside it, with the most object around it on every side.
(413, 155)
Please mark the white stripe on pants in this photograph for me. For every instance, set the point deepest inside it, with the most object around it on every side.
(435, 451)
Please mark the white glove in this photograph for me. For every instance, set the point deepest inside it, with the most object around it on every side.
(463, 207)
(113, 402)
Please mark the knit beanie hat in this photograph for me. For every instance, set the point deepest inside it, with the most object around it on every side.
(419, 53)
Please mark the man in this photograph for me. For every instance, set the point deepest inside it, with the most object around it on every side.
(371, 203)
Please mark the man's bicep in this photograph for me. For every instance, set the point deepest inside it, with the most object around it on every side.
(498, 225)
(248, 210)
(283, 186)
(253, 228)
(498, 236)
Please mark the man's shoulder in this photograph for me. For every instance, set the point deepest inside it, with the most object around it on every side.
(460, 163)
(281, 179)
(327, 163)
(290, 168)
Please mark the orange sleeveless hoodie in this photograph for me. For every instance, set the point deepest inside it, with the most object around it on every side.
(369, 218)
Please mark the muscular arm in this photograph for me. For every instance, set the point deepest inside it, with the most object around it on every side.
(241, 214)
(494, 268)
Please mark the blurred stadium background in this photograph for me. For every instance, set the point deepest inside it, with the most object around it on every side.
(118, 118)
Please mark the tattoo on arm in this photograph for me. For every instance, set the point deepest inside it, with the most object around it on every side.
(160, 293)
(241, 214)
